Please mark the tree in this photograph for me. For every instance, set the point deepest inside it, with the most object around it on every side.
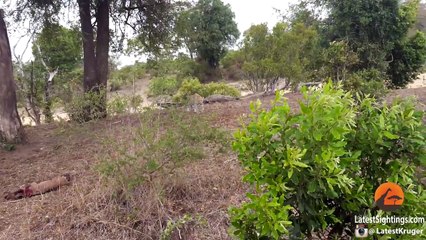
(186, 32)
(150, 18)
(377, 32)
(10, 124)
(409, 58)
(212, 29)
(338, 60)
(30, 82)
(95, 54)
(57, 51)
(60, 47)
(283, 53)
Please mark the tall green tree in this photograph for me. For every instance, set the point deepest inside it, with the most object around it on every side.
(186, 34)
(57, 51)
(212, 30)
(59, 47)
(410, 57)
(149, 18)
(285, 52)
(377, 31)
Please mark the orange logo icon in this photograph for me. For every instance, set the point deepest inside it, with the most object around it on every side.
(389, 197)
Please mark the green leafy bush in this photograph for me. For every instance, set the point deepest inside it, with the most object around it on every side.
(315, 170)
(221, 88)
(136, 102)
(118, 105)
(191, 86)
(232, 65)
(124, 104)
(167, 85)
(86, 106)
(367, 82)
(116, 84)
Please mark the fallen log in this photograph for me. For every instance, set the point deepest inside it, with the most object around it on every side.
(34, 188)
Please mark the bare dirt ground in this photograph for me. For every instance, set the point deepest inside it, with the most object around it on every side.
(207, 187)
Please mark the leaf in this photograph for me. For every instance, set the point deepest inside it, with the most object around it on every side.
(312, 187)
(356, 154)
(332, 193)
(390, 135)
(290, 173)
(360, 188)
(335, 133)
(300, 164)
(340, 144)
(304, 108)
(326, 155)
(317, 135)
(381, 121)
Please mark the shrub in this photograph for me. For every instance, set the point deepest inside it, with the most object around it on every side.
(124, 104)
(189, 87)
(369, 82)
(192, 85)
(160, 67)
(136, 102)
(7, 146)
(232, 65)
(205, 73)
(186, 67)
(115, 84)
(233, 72)
(221, 88)
(118, 105)
(167, 85)
(315, 170)
(85, 106)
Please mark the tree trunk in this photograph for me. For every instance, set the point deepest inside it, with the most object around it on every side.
(89, 81)
(32, 108)
(102, 50)
(47, 110)
(95, 62)
(11, 130)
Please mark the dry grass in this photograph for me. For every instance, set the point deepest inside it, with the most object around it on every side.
(92, 208)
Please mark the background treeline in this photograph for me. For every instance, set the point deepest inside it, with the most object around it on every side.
(370, 46)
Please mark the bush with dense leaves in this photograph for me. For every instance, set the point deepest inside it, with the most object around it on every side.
(86, 106)
(167, 85)
(367, 82)
(315, 170)
(232, 65)
(191, 86)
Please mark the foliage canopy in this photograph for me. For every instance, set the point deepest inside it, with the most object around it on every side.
(315, 170)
